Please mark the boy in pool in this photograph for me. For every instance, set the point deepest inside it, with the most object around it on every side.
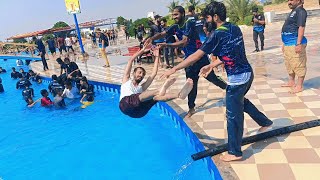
(86, 90)
(22, 82)
(14, 73)
(58, 99)
(34, 77)
(2, 70)
(1, 86)
(45, 100)
(135, 99)
(27, 93)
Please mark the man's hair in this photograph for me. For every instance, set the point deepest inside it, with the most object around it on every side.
(180, 9)
(54, 77)
(68, 83)
(43, 92)
(143, 70)
(84, 79)
(217, 8)
(164, 20)
(191, 8)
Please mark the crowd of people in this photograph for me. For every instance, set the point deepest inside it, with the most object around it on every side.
(69, 84)
(224, 42)
(201, 38)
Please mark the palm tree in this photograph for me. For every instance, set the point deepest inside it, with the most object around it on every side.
(172, 5)
(241, 8)
(194, 3)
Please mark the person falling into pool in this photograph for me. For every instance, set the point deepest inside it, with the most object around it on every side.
(1, 86)
(14, 73)
(22, 82)
(87, 92)
(45, 100)
(135, 99)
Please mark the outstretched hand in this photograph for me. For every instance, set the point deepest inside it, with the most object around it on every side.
(162, 45)
(167, 74)
(205, 70)
(147, 42)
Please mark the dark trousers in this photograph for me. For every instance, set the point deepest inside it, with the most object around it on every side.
(168, 51)
(44, 61)
(70, 47)
(236, 104)
(255, 39)
(192, 72)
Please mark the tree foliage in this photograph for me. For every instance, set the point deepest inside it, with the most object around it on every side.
(61, 24)
(172, 5)
(121, 21)
(195, 3)
(239, 11)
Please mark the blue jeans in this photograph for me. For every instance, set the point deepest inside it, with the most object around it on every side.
(236, 104)
(192, 72)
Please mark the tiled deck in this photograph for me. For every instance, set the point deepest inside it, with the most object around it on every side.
(291, 156)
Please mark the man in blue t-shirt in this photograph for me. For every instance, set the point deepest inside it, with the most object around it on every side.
(52, 46)
(294, 45)
(185, 30)
(226, 42)
(258, 29)
(42, 50)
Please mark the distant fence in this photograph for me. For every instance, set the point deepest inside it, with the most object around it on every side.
(273, 17)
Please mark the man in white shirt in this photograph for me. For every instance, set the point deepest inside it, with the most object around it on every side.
(68, 42)
(135, 99)
(70, 91)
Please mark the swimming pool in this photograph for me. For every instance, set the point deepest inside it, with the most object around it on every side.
(93, 143)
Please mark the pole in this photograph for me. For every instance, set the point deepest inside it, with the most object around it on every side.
(251, 139)
(78, 32)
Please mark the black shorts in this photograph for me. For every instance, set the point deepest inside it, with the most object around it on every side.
(52, 51)
(133, 107)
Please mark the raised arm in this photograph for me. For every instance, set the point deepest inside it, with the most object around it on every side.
(127, 71)
(181, 43)
(155, 37)
(148, 82)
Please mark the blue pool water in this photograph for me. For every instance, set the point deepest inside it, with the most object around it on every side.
(93, 143)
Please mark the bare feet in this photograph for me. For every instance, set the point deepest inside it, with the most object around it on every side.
(191, 112)
(296, 89)
(289, 84)
(229, 157)
(166, 85)
(187, 87)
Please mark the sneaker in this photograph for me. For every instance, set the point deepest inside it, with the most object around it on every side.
(262, 48)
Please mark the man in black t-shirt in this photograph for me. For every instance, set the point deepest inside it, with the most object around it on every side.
(294, 45)
(259, 23)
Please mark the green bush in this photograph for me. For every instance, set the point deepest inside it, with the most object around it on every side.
(248, 20)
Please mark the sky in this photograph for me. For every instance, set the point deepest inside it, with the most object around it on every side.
(22, 16)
